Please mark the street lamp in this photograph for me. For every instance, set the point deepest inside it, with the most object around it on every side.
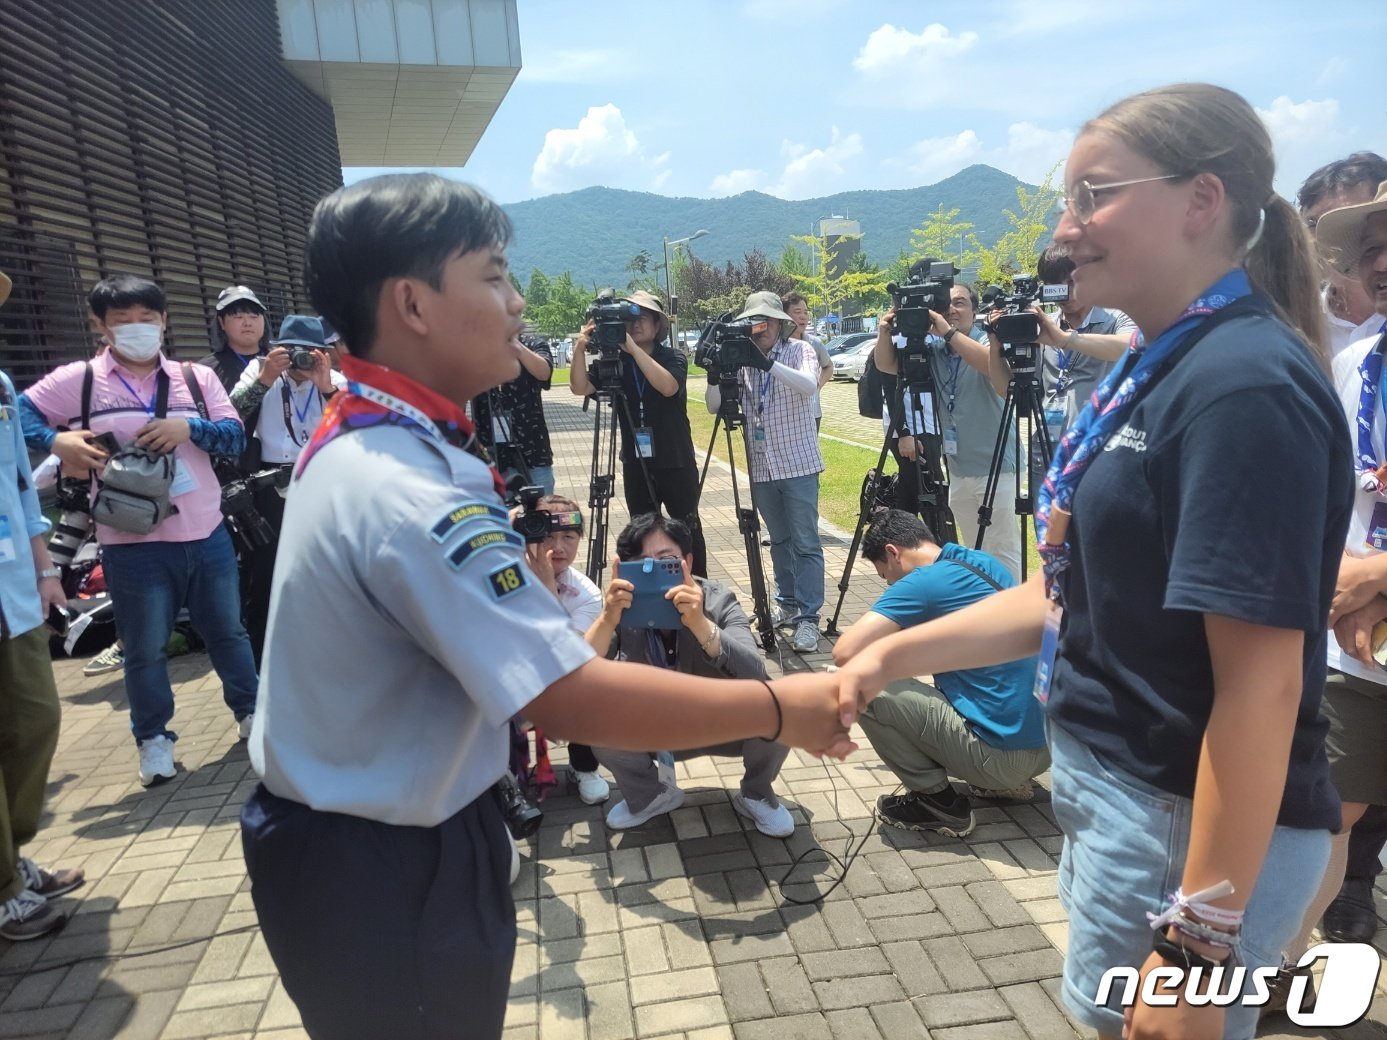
(669, 284)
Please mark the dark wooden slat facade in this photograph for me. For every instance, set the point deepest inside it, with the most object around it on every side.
(162, 138)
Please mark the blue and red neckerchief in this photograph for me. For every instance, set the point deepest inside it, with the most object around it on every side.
(1112, 402)
(434, 415)
(1372, 477)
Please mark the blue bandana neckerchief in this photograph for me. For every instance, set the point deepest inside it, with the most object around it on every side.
(1372, 477)
(1112, 402)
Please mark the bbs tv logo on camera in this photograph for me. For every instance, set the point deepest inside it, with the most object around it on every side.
(1017, 324)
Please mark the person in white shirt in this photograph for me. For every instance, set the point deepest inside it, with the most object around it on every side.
(283, 393)
(552, 561)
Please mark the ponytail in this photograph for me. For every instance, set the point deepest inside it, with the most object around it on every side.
(1282, 265)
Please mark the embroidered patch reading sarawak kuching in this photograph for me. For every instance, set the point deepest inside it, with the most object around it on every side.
(463, 514)
(481, 542)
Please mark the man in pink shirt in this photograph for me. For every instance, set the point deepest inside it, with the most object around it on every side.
(187, 560)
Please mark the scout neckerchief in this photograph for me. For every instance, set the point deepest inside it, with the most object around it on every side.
(1372, 477)
(1107, 410)
(376, 396)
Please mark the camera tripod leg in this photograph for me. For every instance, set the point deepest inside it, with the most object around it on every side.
(750, 526)
(870, 483)
(601, 487)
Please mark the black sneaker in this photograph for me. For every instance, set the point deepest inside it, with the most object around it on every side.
(947, 812)
(1279, 988)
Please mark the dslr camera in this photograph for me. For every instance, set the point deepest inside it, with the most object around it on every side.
(300, 357)
(724, 348)
(609, 337)
(74, 521)
(926, 289)
(248, 527)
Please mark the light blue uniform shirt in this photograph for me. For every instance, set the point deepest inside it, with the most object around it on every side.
(20, 519)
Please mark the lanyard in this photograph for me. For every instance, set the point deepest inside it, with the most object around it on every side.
(658, 652)
(286, 394)
(1370, 474)
(148, 408)
(955, 363)
(638, 378)
(401, 408)
(765, 392)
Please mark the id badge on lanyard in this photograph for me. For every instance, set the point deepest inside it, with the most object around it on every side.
(645, 442)
(1049, 651)
(7, 549)
(1377, 528)
(1056, 409)
(950, 441)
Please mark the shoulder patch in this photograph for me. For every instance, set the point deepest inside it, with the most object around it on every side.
(507, 580)
(481, 542)
(463, 514)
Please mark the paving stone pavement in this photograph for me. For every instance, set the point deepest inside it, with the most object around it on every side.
(686, 928)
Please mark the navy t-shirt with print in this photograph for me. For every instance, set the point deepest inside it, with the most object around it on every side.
(996, 700)
(667, 418)
(1226, 492)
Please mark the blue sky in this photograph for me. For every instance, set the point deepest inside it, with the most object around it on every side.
(803, 98)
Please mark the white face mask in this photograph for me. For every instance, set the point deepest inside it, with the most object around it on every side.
(139, 341)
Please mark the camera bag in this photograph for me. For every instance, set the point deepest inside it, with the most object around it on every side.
(133, 489)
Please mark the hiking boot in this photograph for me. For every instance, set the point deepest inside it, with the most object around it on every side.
(28, 916)
(1020, 793)
(156, 761)
(772, 821)
(1279, 988)
(112, 659)
(947, 812)
(49, 883)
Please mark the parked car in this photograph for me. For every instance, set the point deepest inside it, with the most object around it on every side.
(842, 344)
(851, 363)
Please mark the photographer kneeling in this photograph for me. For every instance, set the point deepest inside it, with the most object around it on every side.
(658, 470)
(715, 640)
(981, 725)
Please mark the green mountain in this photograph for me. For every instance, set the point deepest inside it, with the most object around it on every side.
(594, 232)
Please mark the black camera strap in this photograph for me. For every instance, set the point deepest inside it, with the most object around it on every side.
(978, 571)
(161, 393)
(199, 402)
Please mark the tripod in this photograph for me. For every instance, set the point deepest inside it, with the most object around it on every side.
(1025, 400)
(729, 416)
(915, 384)
(607, 397)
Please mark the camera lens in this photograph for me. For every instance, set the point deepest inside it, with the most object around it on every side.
(68, 536)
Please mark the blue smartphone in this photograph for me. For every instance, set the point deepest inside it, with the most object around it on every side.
(652, 579)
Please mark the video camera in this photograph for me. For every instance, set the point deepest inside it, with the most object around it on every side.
(535, 524)
(251, 530)
(1018, 325)
(610, 316)
(926, 289)
(724, 348)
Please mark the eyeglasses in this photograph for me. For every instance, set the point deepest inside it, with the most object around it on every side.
(1084, 201)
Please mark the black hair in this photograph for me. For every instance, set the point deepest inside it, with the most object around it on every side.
(789, 300)
(634, 534)
(125, 290)
(972, 293)
(894, 527)
(1359, 168)
(400, 225)
(1055, 265)
(219, 339)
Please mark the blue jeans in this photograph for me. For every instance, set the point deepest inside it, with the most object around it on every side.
(543, 476)
(790, 508)
(1124, 851)
(150, 582)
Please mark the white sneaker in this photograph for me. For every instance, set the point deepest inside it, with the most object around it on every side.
(514, 856)
(156, 761)
(773, 822)
(622, 818)
(806, 639)
(592, 789)
(243, 727)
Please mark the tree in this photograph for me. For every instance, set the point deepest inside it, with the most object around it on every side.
(1017, 251)
(537, 295)
(642, 269)
(941, 237)
(515, 282)
(562, 312)
(793, 263)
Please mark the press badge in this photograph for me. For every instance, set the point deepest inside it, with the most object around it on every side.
(1055, 411)
(950, 441)
(7, 553)
(1377, 528)
(500, 430)
(758, 439)
(645, 442)
(183, 480)
(1049, 650)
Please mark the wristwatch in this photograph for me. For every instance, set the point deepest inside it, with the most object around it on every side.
(1175, 953)
(953, 331)
(50, 572)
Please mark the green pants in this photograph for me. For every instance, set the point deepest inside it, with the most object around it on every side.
(924, 741)
(29, 719)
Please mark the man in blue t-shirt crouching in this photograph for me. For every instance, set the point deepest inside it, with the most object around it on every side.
(981, 725)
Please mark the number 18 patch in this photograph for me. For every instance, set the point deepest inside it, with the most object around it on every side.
(507, 580)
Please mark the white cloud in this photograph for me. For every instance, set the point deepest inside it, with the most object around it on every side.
(575, 66)
(601, 149)
(1305, 136)
(891, 52)
(1032, 151)
(935, 158)
(812, 172)
(734, 182)
(661, 179)
(1334, 70)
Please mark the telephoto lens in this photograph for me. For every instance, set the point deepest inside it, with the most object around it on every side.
(74, 522)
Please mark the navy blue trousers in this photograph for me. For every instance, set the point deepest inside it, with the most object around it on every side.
(385, 931)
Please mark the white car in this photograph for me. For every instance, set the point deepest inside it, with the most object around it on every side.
(852, 362)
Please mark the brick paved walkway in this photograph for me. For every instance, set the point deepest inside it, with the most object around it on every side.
(678, 929)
